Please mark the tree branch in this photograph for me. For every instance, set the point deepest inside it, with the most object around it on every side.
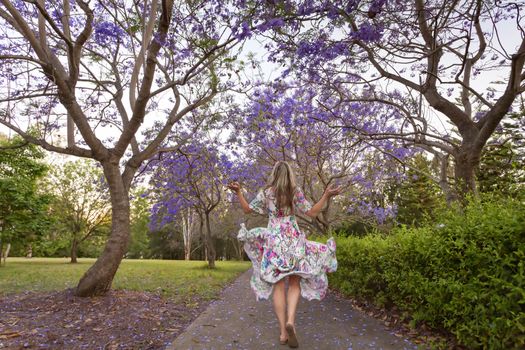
(146, 38)
(139, 109)
(76, 151)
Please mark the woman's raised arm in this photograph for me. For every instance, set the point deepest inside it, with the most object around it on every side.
(235, 187)
(330, 192)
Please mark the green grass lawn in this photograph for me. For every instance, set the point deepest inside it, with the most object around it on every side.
(171, 278)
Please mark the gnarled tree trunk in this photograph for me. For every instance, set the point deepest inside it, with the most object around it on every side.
(97, 280)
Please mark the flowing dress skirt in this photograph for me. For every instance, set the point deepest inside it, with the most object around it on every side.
(281, 250)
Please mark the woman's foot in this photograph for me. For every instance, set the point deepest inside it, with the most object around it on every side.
(292, 338)
(283, 339)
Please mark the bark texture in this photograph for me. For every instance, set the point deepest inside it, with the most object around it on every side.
(97, 280)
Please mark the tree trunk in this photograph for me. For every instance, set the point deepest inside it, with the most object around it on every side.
(203, 236)
(238, 246)
(188, 221)
(444, 185)
(209, 243)
(466, 163)
(6, 253)
(97, 280)
(74, 248)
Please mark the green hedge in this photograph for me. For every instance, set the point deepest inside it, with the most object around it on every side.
(463, 272)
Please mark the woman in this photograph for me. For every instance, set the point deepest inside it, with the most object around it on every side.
(282, 250)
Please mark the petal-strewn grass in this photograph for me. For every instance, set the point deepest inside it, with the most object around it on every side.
(171, 278)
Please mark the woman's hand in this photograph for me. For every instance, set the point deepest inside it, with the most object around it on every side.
(329, 192)
(234, 187)
(332, 191)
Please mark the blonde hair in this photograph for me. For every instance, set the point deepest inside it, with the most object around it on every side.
(282, 180)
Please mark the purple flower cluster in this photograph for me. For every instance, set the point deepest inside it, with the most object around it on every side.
(243, 31)
(193, 177)
(271, 24)
(379, 214)
(286, 123)
(368, 32)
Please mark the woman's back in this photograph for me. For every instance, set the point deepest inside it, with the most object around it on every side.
(266, 203)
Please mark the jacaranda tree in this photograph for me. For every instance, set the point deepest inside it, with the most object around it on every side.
(283, 122)
(193, 177)
(109, 80)
(432, 60)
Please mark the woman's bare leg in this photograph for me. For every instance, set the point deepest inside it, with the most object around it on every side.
(279, 304)
(294, 292)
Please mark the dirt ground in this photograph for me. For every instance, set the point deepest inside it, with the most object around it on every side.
(119, 320)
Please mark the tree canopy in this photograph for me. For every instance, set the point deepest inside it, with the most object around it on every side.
(23, 205)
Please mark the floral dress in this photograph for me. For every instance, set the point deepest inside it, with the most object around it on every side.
(281, 249)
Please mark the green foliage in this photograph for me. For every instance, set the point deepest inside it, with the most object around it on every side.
(354, 228)
(176, 279)
(81, 208)
(463, 271)
(167, 243)
(502, 166)
(51, 243)
(140, 212)
(418, 195)
(23, 207)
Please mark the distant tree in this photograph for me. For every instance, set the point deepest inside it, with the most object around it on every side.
(139, 245)
(189, 224)
(418, 194)
(167, 242)
(502, 168)
(23, 206)
(226, 220)
(53, 243)
(81, 202)
(190, 178)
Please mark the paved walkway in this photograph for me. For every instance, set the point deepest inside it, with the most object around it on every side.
(238, 321)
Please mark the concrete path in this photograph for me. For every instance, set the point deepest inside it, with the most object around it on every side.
(238, 321)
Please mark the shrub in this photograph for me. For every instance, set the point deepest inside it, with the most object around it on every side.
(464, 272)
